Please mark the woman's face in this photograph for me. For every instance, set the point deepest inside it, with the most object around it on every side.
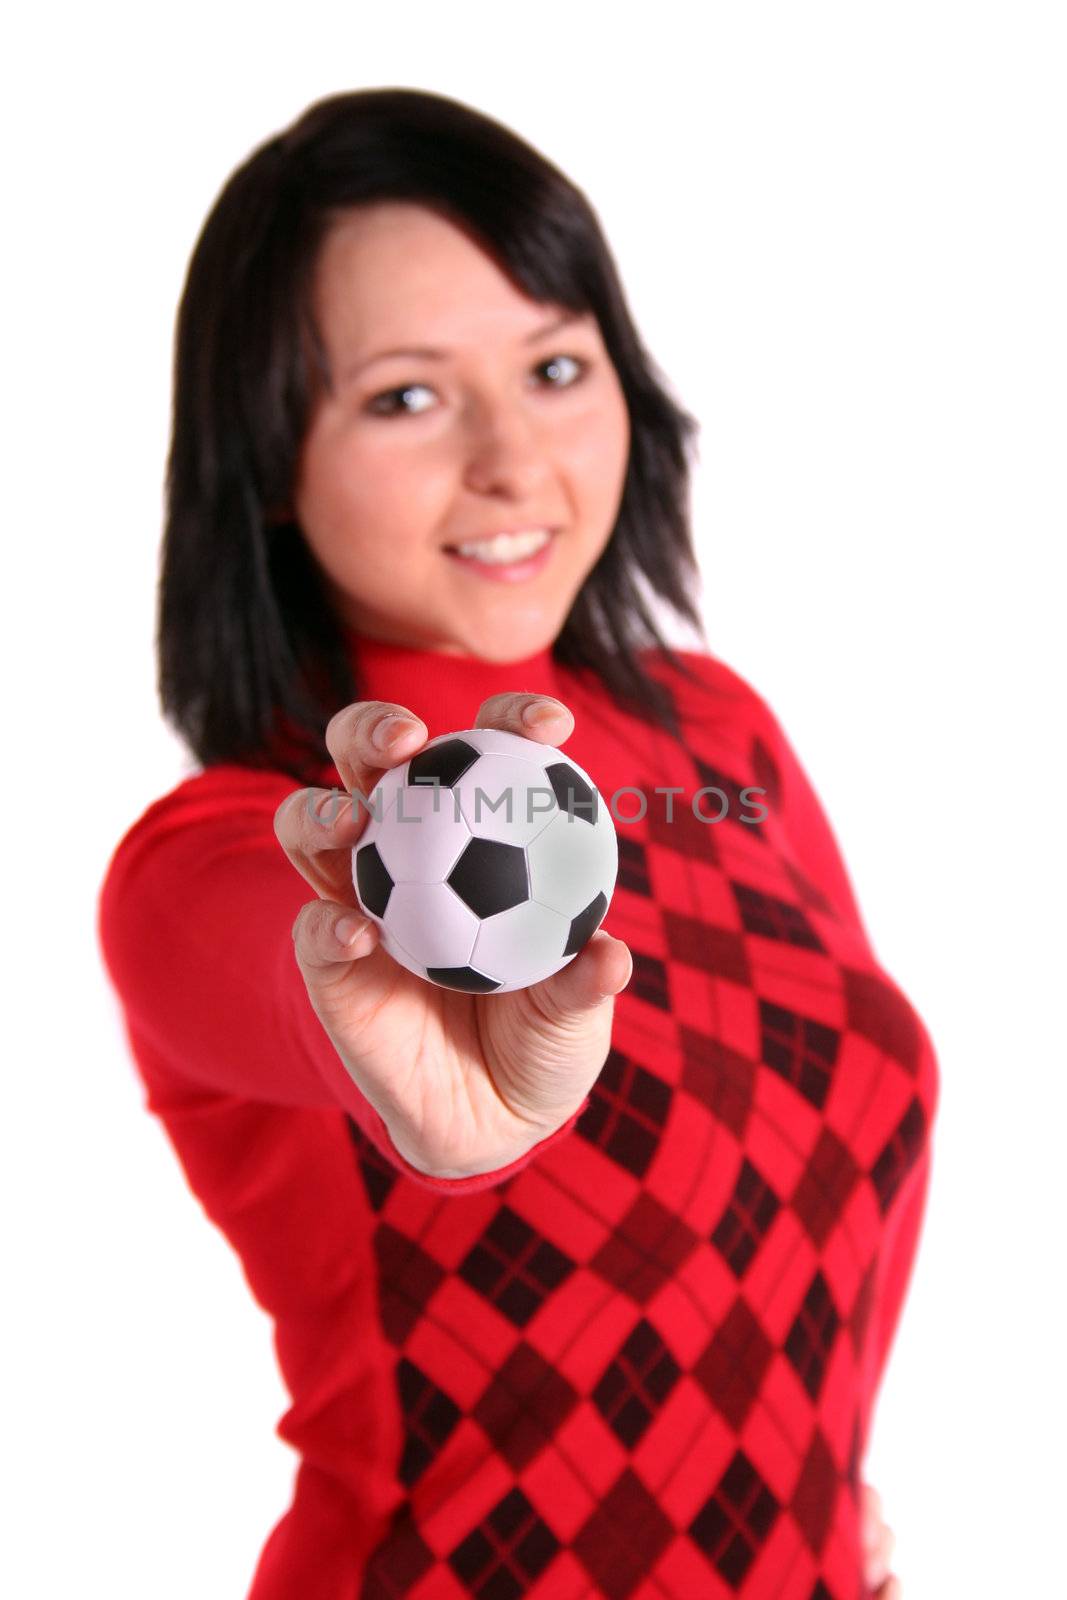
(492, 420)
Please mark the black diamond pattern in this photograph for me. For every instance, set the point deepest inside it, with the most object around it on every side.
(408, 1279)
(514, 1267)
(378, 1175)
(429, 1418)
(810, 1340)
(734, 1523)
(649, 980)
(752, 1208)
(711, 804)
(633, 866)
(897, 1157)
(627, 1113)
(636, 1383)
(501, 1558)
(772, 918)
(800, 1050)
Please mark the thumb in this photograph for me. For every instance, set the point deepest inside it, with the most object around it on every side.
(547, 1049)
(600, 971)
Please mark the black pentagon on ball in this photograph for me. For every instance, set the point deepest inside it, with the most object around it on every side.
(490, 876)
(443, 763)
(464, 978)
(585, 925)
(572, 792)
(373, 880)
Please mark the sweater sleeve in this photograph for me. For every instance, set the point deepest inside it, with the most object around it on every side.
(194, 922)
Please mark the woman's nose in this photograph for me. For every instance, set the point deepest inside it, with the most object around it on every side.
(505, 450)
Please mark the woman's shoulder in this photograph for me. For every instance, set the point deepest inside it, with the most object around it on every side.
(713, 707)
(714, 675)
(706, 690)
(697, 679)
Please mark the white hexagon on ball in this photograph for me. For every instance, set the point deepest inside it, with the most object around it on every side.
(570, 862)
(424, 838)
(432, 924)
(506, 797)
(524, 942)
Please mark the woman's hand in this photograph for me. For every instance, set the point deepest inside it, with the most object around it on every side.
(877, 1539)
(464, 1083)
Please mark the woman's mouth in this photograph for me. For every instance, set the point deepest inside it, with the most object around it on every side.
(506, 557)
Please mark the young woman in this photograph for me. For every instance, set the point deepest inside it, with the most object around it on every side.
(579, 1289)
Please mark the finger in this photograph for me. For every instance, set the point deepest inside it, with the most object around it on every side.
(560, 1020)
(891, 1589)
(876, 1564)
(533, 716)
(317, 829)
(328, 938)
(870, 1515)
(364, 742)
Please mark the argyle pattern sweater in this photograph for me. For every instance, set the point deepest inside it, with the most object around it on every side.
(641, 1362)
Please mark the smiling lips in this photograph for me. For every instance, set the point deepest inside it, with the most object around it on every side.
(507, 557)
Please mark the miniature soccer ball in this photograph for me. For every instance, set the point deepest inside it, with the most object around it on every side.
(488, 861)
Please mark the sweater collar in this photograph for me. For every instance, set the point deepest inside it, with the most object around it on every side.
(444, 690)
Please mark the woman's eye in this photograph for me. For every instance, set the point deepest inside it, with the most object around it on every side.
(391, 402)
(382, 406)
(560, 363)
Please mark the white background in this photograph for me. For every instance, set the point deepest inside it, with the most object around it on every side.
(841, 229)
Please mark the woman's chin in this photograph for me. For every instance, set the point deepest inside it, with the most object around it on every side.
(509, 632)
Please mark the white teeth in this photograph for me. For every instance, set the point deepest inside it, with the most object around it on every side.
(505, 547)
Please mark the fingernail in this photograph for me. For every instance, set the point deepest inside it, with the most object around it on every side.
(540, 712)
(348, 929)
(332, 808)
(392, 728)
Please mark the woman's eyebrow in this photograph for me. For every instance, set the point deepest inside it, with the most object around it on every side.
(429, 353)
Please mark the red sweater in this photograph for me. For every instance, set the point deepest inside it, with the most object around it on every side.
(640, 1362)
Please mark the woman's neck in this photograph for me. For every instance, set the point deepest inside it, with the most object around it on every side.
(444, 689)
